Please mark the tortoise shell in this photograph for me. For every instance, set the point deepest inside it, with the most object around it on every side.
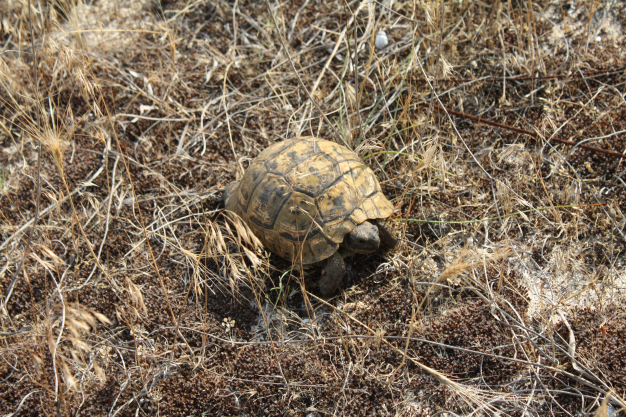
(301, 197)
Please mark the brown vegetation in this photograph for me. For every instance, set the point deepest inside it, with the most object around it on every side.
(126, 290)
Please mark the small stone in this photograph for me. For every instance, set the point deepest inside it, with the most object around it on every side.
(381, 40)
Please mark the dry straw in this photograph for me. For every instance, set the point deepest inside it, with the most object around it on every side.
(118, 125)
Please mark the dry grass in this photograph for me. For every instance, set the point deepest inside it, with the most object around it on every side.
(126, 290)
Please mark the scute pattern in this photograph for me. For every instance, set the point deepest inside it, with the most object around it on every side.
(298, 220)
(302, 196)
(264, 205)
(314, 176)
(289, 158)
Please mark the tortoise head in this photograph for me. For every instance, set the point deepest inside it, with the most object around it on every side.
(363, 238)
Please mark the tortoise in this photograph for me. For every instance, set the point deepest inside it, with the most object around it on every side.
(312, 201)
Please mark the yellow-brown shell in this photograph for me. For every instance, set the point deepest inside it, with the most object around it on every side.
(301, 197)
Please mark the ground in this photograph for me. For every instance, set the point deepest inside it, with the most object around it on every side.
(497, 129)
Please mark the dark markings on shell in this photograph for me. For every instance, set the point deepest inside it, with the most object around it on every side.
(300, 236)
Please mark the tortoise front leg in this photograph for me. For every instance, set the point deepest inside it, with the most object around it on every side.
(388, 239)
(332, 274)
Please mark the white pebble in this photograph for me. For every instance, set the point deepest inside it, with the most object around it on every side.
(381, 40)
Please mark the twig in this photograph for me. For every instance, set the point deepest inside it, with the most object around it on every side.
(29, 239)
(529, 133)
(497, 218)
(107, 221)
(22, 330)
(22, 402)
(156, 119)
(526, 78)
(282, 384)
(230, 132)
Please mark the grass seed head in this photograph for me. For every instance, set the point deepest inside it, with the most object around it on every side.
(102, 318)
(77, 326)
(70, 381)
(78, 343)
(136, 296)
(51, 139)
